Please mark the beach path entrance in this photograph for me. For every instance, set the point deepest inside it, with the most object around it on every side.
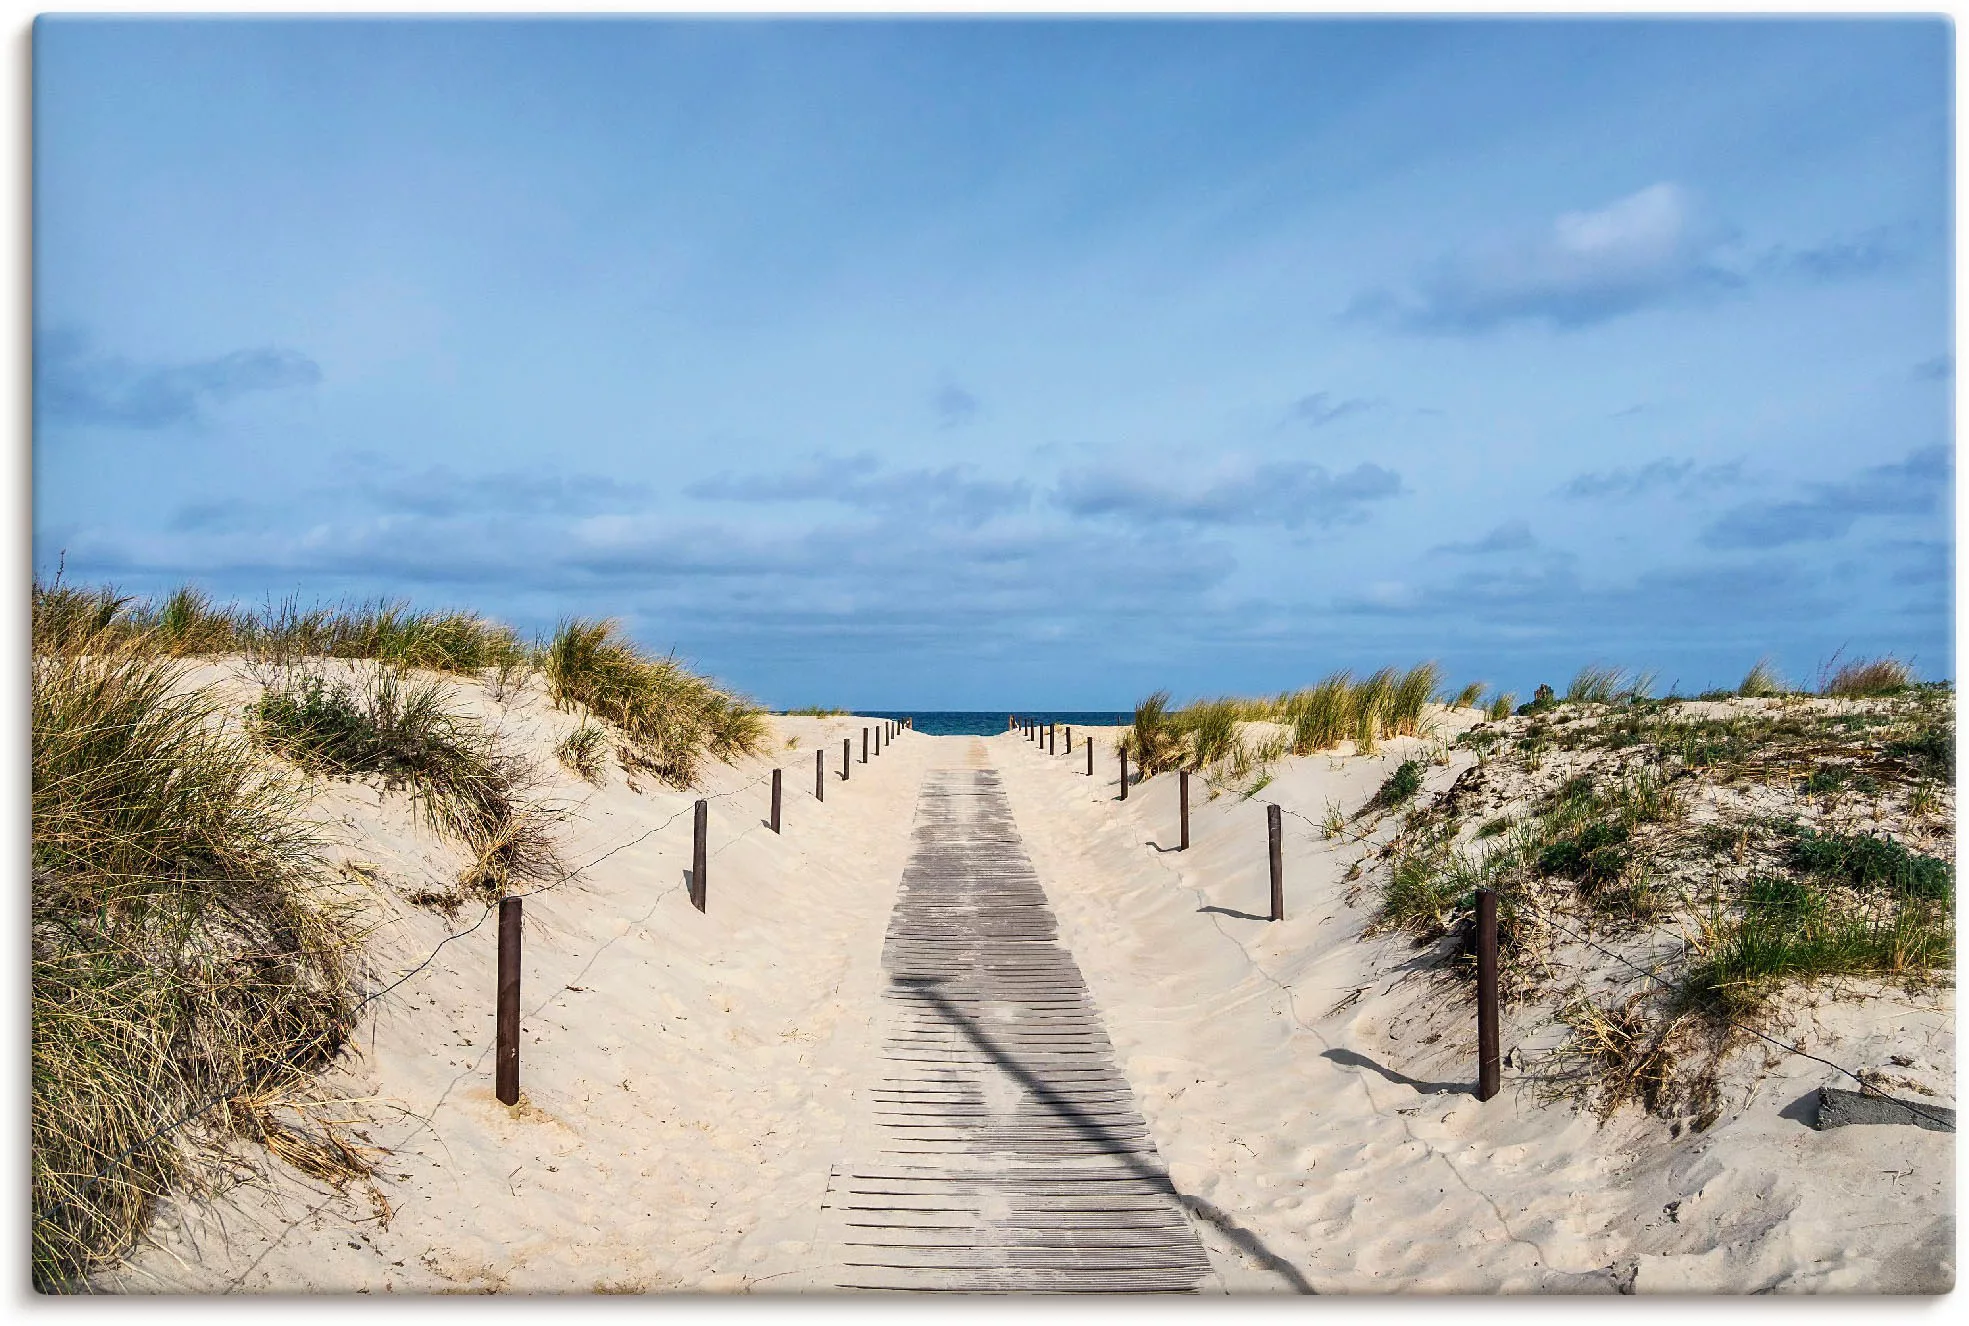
(1002, 1150)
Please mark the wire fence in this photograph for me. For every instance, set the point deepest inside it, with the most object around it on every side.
(298, 1053)
(1325, 831)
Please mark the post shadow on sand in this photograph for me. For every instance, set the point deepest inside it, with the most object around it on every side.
(1247, 1242)
(1354, 1059)
(1232, 911)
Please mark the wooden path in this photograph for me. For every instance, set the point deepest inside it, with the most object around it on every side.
(1004, 1152)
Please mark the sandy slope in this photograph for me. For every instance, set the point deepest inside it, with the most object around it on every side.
(1306, 1085)
(686, 1077)
(690, 1079)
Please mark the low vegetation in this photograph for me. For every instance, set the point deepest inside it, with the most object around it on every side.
(1730, 847)
(193, 964)
(181, 948)
(186, 623)
(386, 723)
(1211, 735)
(584, 752)
(670, 718)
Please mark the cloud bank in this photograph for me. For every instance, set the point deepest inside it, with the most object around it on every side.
(73, 383)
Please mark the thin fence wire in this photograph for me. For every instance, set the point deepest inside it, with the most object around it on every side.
(1547, 918)
(296, 1053)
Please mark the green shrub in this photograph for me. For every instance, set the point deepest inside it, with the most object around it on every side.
(1398, 789)
(1592, 856)
(1930, 751)
(1867, 862)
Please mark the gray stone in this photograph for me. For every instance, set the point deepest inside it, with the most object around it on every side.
(1839, 1108)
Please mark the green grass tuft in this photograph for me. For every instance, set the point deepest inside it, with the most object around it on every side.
(583, 751)
(672, 718)
(1790, 931)
(390, 725)
(1762, 680)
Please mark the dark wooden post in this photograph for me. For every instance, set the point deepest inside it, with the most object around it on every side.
(700, 823)
(864, 745)
(775, 801)
(1183, 804)
(1487, 1061)
(506, 1058)
(1069, 738)
(1124, 771)
(1052, 738)
(1275, 832)
(847, 756)
(1090, 757)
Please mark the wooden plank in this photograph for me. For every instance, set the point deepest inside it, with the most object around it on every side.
(1009, 1154)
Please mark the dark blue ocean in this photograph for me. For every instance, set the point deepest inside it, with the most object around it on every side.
(988, 723)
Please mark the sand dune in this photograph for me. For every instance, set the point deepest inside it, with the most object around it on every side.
(690, 1080)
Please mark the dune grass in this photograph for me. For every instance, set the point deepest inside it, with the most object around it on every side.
(179, 944)
(671, 717)
(187, 623)
(1869, 677)
(1207, 735)
(1787, 930)
(1761, 681)
(387, 723)
(583, 752)
(1603, 685)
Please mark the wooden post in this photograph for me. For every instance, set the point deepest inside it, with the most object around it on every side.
(847, 756)
(1090, 757)
(700, 823)
(775, 801)
(1069, 738)
(1487, 1061)
(820, 775)
(1183, 805)
(864, 745)
(1052, 738)
(1124, 771)
(1275, 832)
(506, 1058)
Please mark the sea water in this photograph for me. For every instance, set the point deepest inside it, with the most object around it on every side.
(985, 723)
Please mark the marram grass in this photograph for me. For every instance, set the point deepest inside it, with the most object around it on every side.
(180, 944)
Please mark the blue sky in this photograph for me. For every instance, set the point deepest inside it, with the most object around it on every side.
(994, 364)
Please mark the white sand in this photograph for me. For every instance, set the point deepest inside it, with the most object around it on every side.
(689, 1079)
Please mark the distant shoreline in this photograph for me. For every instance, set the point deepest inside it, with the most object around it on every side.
(990, 722)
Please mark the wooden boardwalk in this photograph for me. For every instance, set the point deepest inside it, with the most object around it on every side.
(1004, 1151)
